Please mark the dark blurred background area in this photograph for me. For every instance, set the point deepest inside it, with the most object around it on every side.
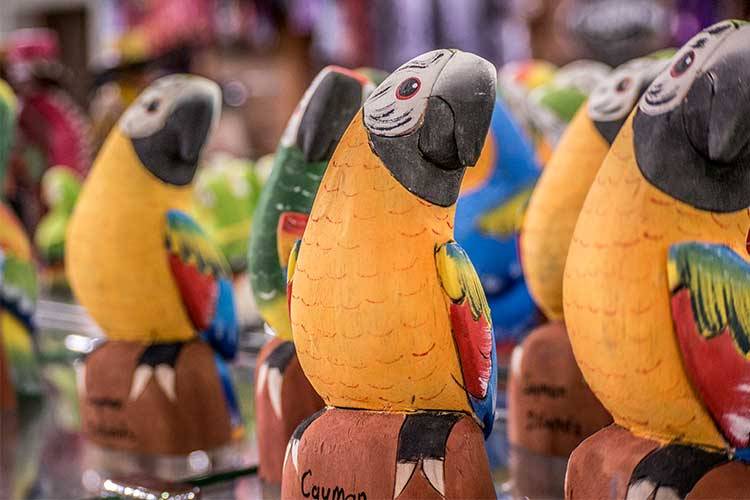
(264, 52)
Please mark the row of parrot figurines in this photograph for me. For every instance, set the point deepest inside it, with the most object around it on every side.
(361, 254)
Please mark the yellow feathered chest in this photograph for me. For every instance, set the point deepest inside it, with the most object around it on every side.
(115, 252)
(369, 317)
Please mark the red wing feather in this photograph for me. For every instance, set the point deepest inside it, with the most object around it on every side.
(473, 338)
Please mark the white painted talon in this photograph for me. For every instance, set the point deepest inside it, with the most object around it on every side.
(404, 471)
(165, 377)
(275, 380)
(434, 471)
(141, 377)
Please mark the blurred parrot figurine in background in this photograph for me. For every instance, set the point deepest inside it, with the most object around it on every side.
(52, 129)
(515, 80)
(60, 189)
(312, 134)
(488, 216)
(552, 105)
(226, 194)
(147, 272)
(544, 358)
(19, 371)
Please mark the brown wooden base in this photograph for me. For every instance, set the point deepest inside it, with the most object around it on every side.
(550, 407)
(535, 476)
(153, 423)
(284, 400)
(603, 465)
(358, 454)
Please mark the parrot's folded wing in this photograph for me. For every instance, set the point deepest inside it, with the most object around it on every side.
(472, 328)
(291, 267)
(710, 304)
(202, 277)
(291, 227)
(505, 220)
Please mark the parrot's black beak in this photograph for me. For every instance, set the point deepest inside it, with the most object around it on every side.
(331, 107)
(191, 120)
(459, 111)
(717, 107)
(172, 153)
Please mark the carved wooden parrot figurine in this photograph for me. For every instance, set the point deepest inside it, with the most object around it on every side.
(387, 311)
(551, 106)
(545, 384)
(559, 194)
(18, 280)
(655, 287)
(142, 267)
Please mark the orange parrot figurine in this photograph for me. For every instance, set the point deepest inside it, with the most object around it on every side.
(387, 311)
(656, 290)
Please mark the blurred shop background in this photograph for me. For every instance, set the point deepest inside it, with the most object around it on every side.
(264, 52)
(76, 65)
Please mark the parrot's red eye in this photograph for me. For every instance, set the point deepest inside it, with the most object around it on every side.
(624, 84)
(408, 88)
(683, 64)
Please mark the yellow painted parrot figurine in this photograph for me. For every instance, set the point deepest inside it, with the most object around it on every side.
(566, 179)
(387, 312)
(142, 267)
(656, 287)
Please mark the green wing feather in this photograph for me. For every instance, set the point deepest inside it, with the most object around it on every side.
(719, 284)
(188, 240)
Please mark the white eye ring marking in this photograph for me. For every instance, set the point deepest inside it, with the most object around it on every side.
(613, 99)
(672, 85)
(396, 107)
(148, 114)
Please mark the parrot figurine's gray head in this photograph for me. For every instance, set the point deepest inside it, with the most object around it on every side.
(428, 121)
(170, 122)
(691, 131)
(615, 96)
(324, 112)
